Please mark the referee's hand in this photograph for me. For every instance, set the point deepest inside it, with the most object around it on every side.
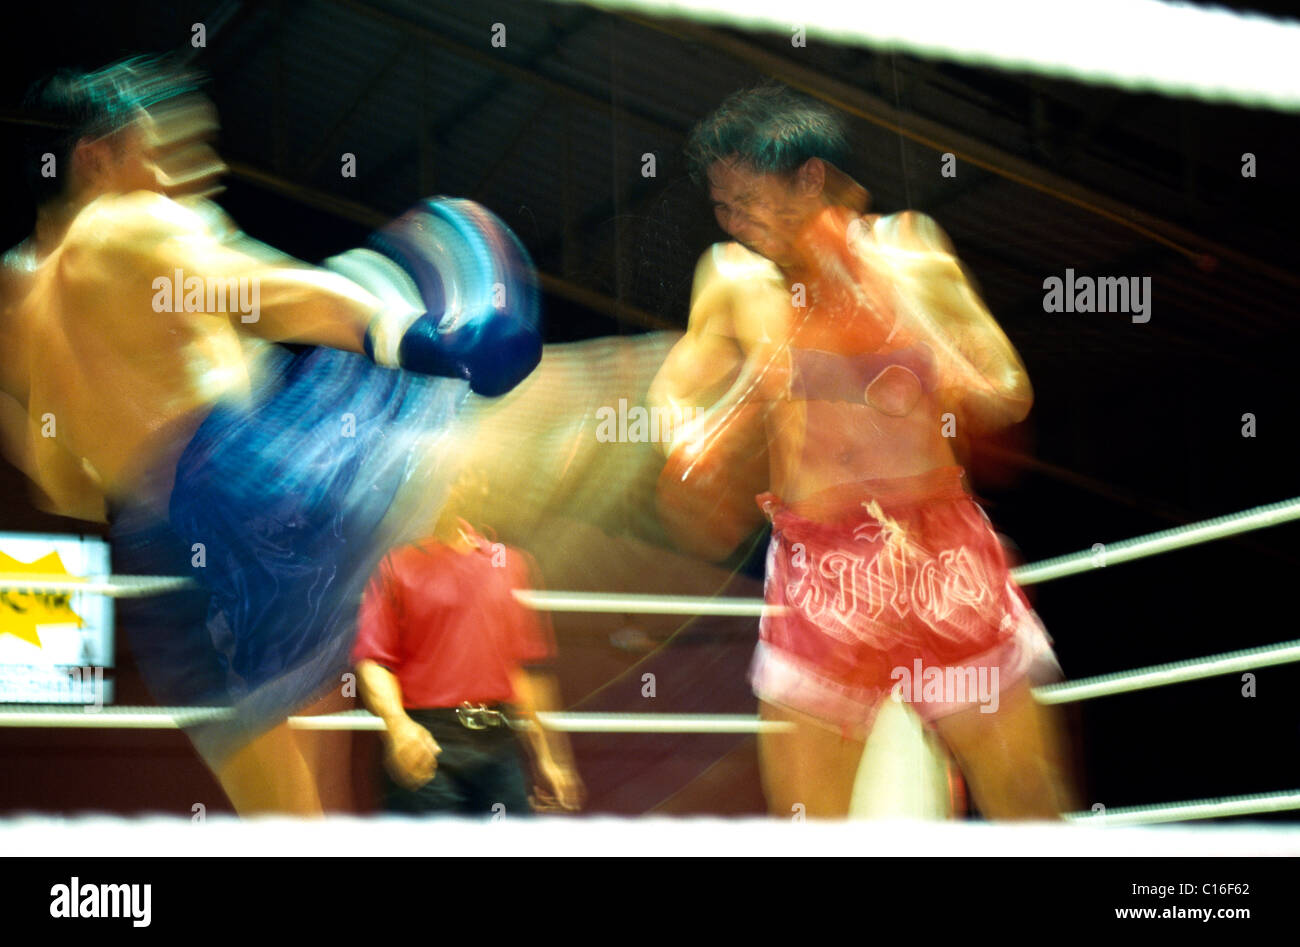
(411, 754)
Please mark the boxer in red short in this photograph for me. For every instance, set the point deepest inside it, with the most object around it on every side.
(867, 589)
(851, 350)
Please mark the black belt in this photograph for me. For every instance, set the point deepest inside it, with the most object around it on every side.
(480, 717)
(472, 716)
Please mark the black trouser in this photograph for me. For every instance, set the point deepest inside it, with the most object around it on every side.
(480, 772)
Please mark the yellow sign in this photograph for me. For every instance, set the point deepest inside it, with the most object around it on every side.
(23, 610)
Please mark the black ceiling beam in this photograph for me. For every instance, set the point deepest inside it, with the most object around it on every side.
(489, 90)
(499, 63)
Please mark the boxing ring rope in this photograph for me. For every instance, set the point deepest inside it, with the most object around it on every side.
(1158, 675)
(646, 836)
(77, 716)
(544, 601)
(173, 718)
(1255, 804)
(1121, 43)
(112, 586)
(1120, 682)
(1127, 550)
(1167, 540)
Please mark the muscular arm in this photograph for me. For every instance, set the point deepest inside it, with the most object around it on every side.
(145, 236)
(981, 371)
(707, 359)
(718, 461)
(739, 309)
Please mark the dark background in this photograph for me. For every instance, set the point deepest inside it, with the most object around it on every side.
(1136, 427)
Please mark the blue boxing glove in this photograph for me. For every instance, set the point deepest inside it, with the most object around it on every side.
(460, 295)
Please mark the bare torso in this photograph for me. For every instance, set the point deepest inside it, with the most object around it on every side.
(846, 392)
(103, 376)
(116, 370)
(863, 364)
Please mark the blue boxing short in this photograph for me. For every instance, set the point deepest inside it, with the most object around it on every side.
(278, 512)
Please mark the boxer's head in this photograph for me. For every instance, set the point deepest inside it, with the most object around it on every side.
(134, 125)
(769, 159)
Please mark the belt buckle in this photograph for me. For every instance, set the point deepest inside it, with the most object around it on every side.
(471, 717)
(480, 717)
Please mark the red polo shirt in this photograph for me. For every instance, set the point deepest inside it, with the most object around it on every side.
(447, 624)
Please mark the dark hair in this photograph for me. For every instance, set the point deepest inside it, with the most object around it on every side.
(71, 104)
(770, 128)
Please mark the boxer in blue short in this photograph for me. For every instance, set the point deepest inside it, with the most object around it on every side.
(141, 321)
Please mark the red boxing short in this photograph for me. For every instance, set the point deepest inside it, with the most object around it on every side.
(891, 588)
